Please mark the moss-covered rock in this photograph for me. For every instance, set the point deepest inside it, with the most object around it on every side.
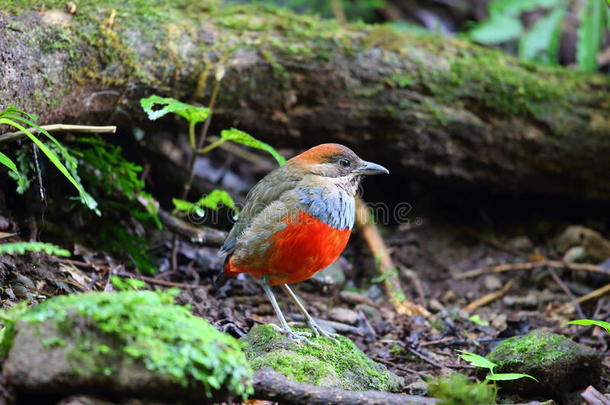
(560, 365)
(135, 343)
(340, 365)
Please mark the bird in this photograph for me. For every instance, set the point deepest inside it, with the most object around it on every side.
(295, 222)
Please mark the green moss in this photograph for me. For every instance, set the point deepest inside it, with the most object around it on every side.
(456, 389)
(537, 349)
(501, 83)
(343, 361)
(304, 369)
(144, 326)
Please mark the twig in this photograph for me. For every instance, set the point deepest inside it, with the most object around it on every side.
(501, 268)
(567, 291)
(416, 282)
(275, 387)
(488, 298)
(592, 295)
(338, 327)
(399, 367)
(10, 136)
(200, 234)
(434, 363)
(165, 283)
(592, 396)
(385, 266)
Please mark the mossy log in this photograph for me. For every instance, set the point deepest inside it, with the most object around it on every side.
(425, 106)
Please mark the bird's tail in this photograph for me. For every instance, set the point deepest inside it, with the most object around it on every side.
(220, 280)
(225, 274)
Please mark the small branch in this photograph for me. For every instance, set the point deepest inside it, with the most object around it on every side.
(11, 136)
(591, 396)
(385, 266)
(491, 297)
(567, 291)
(592, 295)
(199, 234)
(531, 266)
(275, 387)
(151, 280)
(435, 363)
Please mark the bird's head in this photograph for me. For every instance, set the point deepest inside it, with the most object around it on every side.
(334, 160)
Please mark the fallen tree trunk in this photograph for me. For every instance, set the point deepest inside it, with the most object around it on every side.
(275, 387)
(424, 106)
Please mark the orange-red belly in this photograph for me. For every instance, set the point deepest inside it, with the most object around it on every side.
(304, 247)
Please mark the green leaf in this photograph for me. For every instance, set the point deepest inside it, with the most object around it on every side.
(164, 105)
(237, 136)
(499, 28)
(516, 7)
(211, 201)
(23, 247)
(476, 319)
(6, 161)
(508, 377)
(85, 197)
(476, 360)
(590, 35)
(587, 322)
(541, 42)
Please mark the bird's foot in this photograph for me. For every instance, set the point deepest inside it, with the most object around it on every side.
(317, 329)
(295, 335)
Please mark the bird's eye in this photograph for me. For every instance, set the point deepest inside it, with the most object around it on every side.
(344, 162)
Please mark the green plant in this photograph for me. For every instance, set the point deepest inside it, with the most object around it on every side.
(457, 389)
(540, 42)
(127, 284)
(211, 201)
(19, 120)
(243, 138)
(105, 169)
(482, 362)
(587, 322)
(156, 107)
(23, 247)
(117, 240)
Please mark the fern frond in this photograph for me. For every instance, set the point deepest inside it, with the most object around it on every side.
(26, 247)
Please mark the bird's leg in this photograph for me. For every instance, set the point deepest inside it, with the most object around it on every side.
(308, 318)
(284, 328)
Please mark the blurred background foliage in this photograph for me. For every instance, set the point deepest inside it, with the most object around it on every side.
(566, 32)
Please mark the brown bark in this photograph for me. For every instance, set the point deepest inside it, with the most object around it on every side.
(426, 107)
(272, 386)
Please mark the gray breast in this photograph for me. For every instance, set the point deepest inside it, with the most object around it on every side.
(336, 208)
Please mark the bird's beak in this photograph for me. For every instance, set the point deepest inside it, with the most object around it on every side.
(368, 168)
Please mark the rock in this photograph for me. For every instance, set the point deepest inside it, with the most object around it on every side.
(596, 247)
(371, 313)
(492, 282)
(560, 365)
(522, 243)
(417, 388)
(332, 276)
(355, 298)
(528, 301)
(134, 344)
(340, 365)
(498, 322)
(343, 315)
(575, 254)
(374, 292)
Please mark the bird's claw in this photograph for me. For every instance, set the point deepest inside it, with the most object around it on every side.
(317, 329)
(296, 335)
